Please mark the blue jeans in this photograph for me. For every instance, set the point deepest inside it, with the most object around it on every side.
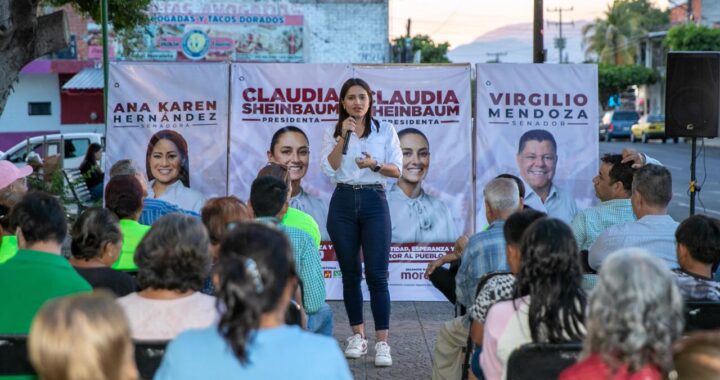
(360, 218)
(321, 322)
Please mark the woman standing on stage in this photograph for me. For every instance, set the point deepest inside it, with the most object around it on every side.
(359, 215)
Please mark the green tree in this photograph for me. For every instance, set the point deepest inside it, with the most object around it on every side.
(25, 35)
(430, 52)
(612, 38)
(614, 79)
(691, 37)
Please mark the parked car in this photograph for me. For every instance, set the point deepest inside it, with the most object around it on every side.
(649, 127)
(617, 124)
(75, 146)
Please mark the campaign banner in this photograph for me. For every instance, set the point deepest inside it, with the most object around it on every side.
(219, 31)
(539, 123)
(267, 98)
(431, 203)
(172, 120)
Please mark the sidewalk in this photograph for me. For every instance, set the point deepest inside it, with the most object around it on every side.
(413, 326)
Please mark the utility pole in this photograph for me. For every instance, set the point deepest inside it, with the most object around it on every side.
(497, 56)
(407, 46)
(538, 48)
(560, 42)
(690, 16)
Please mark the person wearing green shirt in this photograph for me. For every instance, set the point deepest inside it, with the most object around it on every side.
(37, 272)
(294, 217)
(124, 197)
(12, 187)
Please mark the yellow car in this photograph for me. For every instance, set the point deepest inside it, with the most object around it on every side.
(649, 127)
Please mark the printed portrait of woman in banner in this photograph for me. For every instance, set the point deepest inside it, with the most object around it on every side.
(176, 138)
(539, 123)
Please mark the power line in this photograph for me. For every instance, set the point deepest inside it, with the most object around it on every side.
(560, 41)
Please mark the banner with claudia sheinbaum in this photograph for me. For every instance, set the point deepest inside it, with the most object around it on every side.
(293, 103)
(540, 123)
(431, 203)
(173, 121)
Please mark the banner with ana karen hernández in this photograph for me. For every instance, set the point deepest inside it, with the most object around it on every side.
(540, 123)
(431, 203)
(172, 120)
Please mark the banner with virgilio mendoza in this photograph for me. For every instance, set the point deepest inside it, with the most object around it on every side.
(279, 114)
(431, 203)
(539, 123)
(172, 120)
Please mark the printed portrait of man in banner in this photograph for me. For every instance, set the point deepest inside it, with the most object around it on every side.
(539, 123)
(177, 138)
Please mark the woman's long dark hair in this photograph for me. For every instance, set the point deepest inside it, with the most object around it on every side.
(343, 113)
(181, 144)
(89, 161)
(254, 266)
(551, 274)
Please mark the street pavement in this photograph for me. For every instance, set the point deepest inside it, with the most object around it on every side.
(413, 327)
(676, 157)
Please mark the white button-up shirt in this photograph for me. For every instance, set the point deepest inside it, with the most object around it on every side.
(383, 145)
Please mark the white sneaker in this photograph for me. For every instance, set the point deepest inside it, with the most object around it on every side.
(356, 346)
(382, 355)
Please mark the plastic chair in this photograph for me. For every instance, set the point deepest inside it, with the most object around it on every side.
(702, 315)
(148, 356)
(14, 359)
(541, 361)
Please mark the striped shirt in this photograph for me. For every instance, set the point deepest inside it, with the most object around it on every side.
(484, 253)
(153, 209)
(588, 224)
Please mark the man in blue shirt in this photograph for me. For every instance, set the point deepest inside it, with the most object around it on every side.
(654, 229)
(484, 253)
(269, 201)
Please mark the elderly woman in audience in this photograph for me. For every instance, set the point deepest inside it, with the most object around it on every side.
(256, 281)
(219, 214)
(82, 337)
(124, 197)
(96, 242)
(634, 315)
(548, 301)
(173, 260)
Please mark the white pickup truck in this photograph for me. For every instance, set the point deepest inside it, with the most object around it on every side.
(75, 146)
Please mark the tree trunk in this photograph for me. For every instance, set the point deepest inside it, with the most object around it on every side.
(25, 37)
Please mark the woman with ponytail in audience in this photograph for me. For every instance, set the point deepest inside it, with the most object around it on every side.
(548, 301)
(256, 280)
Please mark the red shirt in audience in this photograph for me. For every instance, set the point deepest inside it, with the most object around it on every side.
(594, 368)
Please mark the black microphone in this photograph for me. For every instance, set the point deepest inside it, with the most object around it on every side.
(347, 139)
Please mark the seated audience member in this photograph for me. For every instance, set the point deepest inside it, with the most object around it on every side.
(256, 282)
(173, 260)
(698, 248)
(219, 214)
(293, 217)
(269, 200)
(654, 230)
(485, 251)
(8, 240)
(444, 279)
(96, 242)
(82, 337)
(613, 187)
(123, 196)
(499, 287)
(153, 208)
(634, 315)
(12, 178)
(697, 357)
(548, 302)
(38, 272)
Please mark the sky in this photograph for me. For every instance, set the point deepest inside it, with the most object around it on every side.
(462, 21)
